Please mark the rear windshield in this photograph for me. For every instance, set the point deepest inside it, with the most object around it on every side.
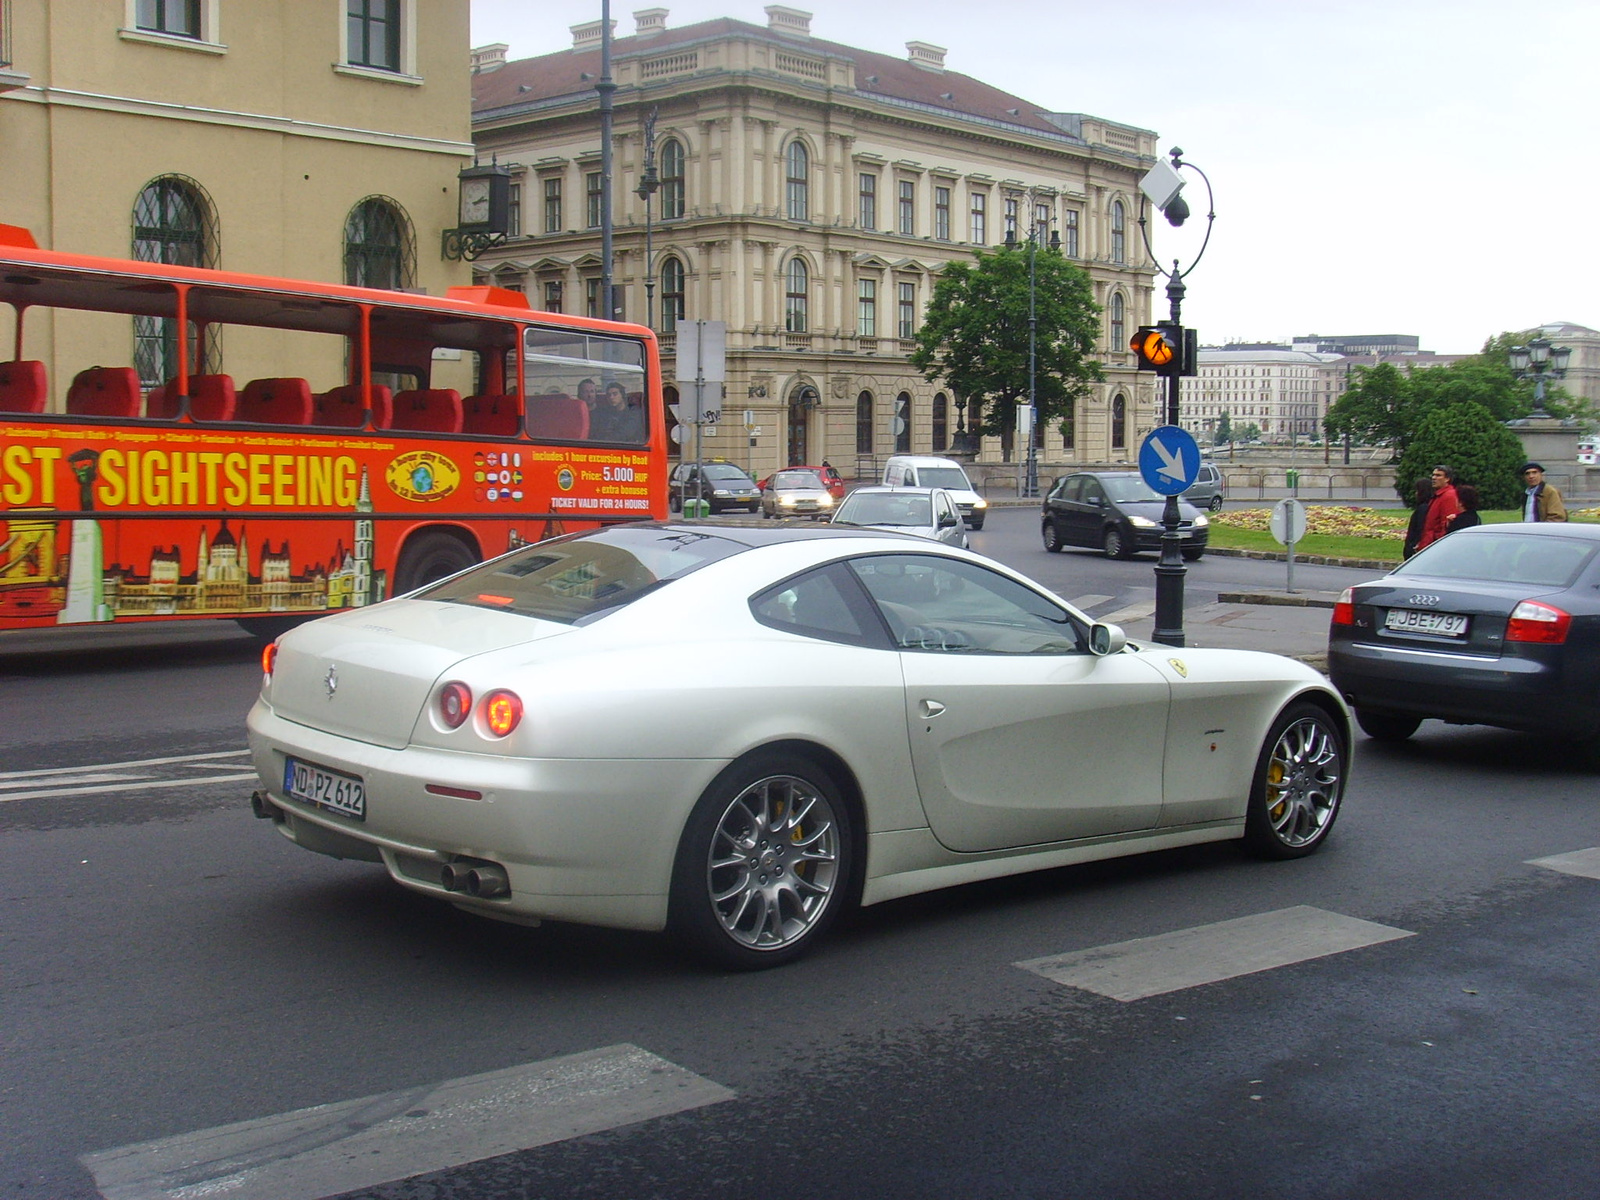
(575, 579)
(945, 477)
(1509, 557)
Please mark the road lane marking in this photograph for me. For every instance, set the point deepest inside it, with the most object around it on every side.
(133, 764)
(1127, 616)
(334, 1148)
(1170, 962)
(136, 775)
(1585, 863)
(142, 785)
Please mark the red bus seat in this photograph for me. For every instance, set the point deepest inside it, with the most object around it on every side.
(495, 416)
(211, 398)
(22, 386)
(276, 402)
(558, 417)
(429, 410)
(342, 406)
(105, 392)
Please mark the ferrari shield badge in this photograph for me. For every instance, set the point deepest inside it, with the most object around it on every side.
(1177, 665)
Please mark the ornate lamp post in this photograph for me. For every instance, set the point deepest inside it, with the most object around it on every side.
(1030, 486)
(1538, 361)
(649, 184)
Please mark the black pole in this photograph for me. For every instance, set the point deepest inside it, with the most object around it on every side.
(1170, 571)
(606, 87)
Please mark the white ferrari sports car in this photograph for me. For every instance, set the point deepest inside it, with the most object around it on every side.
(738, 733)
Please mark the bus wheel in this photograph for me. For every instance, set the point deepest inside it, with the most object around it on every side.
(430, 556)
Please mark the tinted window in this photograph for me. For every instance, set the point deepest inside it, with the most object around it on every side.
(1504, 558)
(823, 604)
(949, 606)
(574, 578)
(728, 472)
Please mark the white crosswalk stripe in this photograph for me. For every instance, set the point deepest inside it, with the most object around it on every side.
(333, 1148)
(175, 771)
(1577, 862)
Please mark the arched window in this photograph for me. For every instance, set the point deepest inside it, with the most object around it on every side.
(864, 423)
(671, 294)
(173, 222)
(671, 179)
(941, 422)
(1119, 324)
(377, 246)
(902, 423)
(798, 282)
(799, 175)
(1119, 232)
(1119, 422)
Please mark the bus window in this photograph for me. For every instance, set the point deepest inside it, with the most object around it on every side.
(586, 386)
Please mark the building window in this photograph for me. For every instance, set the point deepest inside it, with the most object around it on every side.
(941, 422)
(594, 191)
(1119, 327)
(980, 219)
(172, 223)
(869, 201)
(902, 423)
(552, 206)
(671, 295)
(1119, 232)
(908, 207)
(671, 180)
(1119, 423)
(1069, 233)
(377, 246)
(591, 297)
(941, 214)
(373, 33)
(514, 212)
(864, 423)
(867, 308)
(1069, 427)
(552, 295)
(908, 310)
(799, 181)
(181, 18)
(1011, 218)
(798, 281)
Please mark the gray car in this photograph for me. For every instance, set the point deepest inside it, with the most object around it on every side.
(1209, 489)
(926, 512)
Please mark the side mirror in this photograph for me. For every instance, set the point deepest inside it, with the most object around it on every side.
(947, 521)
(1106, 639)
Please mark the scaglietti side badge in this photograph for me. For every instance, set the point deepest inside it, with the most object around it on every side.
(1423, 599)
(332, 681)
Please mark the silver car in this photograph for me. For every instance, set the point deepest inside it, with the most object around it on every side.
(798, 492)
(925, 512)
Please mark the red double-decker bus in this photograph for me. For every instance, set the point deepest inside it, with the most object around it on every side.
(379, 440)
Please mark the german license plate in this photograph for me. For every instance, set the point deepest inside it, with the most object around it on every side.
(1416, 620)
(327, 789)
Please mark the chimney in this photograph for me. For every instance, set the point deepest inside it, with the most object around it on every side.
(794, 21)
(587, 35)
(488, 58)
(649, 21)
(926, 55)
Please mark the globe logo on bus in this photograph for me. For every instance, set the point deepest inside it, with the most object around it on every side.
(422, 478)
(423, 475)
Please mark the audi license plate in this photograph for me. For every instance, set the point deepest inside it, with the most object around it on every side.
(1416, 620)
(327, 789)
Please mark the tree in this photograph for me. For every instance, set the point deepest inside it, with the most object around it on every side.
(1372, 408)
(975, 336)
(1224, 429)
(1471, 440)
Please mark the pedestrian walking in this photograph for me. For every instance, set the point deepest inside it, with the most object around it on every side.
(1541, 500)
(1444, 506)
(1468, 516)
(1421, 499)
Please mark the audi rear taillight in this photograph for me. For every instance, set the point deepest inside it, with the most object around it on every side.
(1542, 623)
(502, 711)
(269, 658)
(455, 704)
(1344, 610)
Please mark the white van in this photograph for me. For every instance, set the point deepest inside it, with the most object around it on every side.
(919, 470)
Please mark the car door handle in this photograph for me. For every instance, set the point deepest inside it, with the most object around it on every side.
(931, 708)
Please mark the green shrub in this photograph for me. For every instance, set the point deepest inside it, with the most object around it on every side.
(1466, 437)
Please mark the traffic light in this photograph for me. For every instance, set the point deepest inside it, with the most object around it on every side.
(1159, 348)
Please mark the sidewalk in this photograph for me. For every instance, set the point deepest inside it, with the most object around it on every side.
(1292, 624)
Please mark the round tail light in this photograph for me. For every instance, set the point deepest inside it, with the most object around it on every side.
(502, 711)
(455, 703)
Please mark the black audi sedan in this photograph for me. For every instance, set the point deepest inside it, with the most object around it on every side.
(1494, 625)
(1116, 512)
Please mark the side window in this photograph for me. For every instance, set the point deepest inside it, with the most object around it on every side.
(1093, 493)
(822, 604)
(945, 606)
(1071, 489)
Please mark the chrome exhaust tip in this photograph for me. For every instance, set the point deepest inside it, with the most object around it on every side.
(487, 879)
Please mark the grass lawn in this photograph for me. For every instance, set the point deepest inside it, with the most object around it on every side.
(1337, 531)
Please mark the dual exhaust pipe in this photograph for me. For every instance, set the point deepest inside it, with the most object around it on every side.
(475, 877)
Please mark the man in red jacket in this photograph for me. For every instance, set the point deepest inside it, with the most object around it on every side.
(1446, 504)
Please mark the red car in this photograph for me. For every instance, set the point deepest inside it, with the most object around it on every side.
(830, 477)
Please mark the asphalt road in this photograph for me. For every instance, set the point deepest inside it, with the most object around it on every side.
(171, 966)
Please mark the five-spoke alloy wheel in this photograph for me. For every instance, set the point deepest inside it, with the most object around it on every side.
(1298, 785)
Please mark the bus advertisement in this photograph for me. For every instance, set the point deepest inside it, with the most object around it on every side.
(374, 442)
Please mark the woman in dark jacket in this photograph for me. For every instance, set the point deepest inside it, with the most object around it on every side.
(1468, 516)
(1419, 516)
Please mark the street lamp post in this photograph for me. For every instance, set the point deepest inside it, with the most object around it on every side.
(1030, 486)
(1538, 361)
(607, 87)
(649, 183)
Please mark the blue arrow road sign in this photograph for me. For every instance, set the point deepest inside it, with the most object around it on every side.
(1169, 459)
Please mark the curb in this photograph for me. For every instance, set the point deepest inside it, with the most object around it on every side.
(1315, 560)
(1297, 600)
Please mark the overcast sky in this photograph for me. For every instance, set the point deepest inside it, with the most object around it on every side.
(1411, 166)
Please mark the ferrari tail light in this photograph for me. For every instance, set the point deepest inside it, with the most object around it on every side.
(269, 658)
(455, 704)
(1344, 610)
(1534, 622)
(502, 711)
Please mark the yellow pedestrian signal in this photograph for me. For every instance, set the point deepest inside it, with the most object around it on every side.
(1155, 348)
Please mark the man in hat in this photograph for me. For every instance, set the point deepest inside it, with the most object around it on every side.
(1542, 502)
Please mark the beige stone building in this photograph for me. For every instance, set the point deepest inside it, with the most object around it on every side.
(316, 139)
(1285, 393)
(811, 193)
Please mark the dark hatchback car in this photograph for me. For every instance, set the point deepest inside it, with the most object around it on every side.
(725, 486)
(1494, 625)
(1115, 512)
